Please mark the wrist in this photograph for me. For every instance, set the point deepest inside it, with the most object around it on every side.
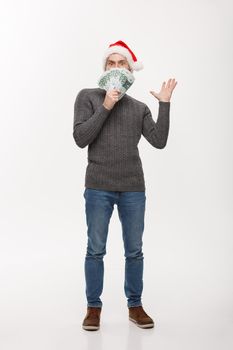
(106, 107)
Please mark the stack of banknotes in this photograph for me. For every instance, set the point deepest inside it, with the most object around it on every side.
(118, 78)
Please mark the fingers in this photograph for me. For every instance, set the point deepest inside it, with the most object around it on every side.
(170, 84)
(114, 94)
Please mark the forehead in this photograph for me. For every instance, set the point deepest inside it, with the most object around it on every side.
(116, 57)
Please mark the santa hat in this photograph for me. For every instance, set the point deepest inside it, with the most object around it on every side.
(121, 48)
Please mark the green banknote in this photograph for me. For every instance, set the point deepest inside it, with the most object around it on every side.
(118, 78)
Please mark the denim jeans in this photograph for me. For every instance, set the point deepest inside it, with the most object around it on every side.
(99, 205)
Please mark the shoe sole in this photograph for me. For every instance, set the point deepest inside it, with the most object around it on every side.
(148, 325)
(90, 328)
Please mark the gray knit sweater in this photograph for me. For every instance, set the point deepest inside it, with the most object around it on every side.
(112, 137)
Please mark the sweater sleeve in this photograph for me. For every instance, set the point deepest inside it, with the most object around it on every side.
(156, 133)
(87, 123)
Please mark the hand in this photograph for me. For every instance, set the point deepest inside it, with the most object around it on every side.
(166, 91)
(111, 98)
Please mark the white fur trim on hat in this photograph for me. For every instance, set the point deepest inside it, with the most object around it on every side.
(134, 65)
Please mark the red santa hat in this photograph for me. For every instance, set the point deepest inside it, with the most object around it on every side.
(121, 48)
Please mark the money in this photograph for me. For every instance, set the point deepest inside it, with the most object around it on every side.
(118, 78)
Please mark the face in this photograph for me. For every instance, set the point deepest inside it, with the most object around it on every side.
(116, 60)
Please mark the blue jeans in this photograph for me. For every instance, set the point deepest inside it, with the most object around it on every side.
(99, 206)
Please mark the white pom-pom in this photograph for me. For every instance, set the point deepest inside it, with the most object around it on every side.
(137, 66)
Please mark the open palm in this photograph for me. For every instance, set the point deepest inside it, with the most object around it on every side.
(166, 91)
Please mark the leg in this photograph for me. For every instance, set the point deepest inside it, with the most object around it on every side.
(99, 207)
(131, 211)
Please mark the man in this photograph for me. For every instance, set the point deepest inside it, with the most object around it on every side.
(112, 129)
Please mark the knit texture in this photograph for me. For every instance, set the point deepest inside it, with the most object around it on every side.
(112, 137)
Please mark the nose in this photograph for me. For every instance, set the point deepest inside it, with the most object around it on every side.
(115, 65)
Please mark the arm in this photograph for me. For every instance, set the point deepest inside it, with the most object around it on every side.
(156, 133)
(87, 123)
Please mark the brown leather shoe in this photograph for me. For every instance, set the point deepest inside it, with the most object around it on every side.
(140, 317)
(91, 321)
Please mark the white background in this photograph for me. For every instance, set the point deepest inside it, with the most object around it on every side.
(49, 51)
